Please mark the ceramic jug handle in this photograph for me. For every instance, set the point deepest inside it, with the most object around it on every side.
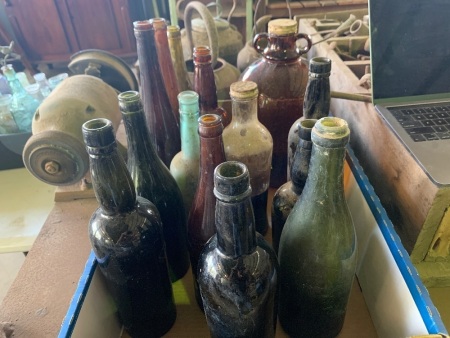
(301, 51)
(210, 25)
(260, 42)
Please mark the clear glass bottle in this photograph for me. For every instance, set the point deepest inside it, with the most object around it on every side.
(176, 52)
(281, 76)
(237, 272)
(317, 101)
(23, 105)
(248, 141)
(287, 195)
(7, 123)
(185, 165)
(201, 222)
(127, 239)
(160, 119)
(41, 79)
(154, 182)
(205, 85)
(318, 248)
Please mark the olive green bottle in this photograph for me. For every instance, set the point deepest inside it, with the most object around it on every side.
(317, 250)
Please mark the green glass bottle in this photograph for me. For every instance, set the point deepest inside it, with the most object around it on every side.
(185, 165)
(127, 238)
(318, 244)
(154, 182)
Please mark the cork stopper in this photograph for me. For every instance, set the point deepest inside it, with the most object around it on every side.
(282, 26)
(244, 90)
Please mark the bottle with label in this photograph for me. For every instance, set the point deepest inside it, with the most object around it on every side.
(127, 239)
(237, 272)
(154, 182)
(281, 76)
(248, 141)
(185, 165)
(318, 246)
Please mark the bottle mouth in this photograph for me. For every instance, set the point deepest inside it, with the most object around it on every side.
(231, 181)
(332, 132)
(98, 133)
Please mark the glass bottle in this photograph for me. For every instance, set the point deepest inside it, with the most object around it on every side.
(287, 195)
(160, 120)
(7, 123)
(205, 86)
(176, 52)
(317, 251)
(237, 272)
(126, 237)
(317, 100)
(41, 79)
(23, 105)
(247, 140)
(154, 182)
(165, 62)
(281, 76)
(186, 164)
(201, 222)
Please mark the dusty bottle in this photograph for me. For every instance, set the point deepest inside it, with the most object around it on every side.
(247, 140)
(205, 86)
(165, 62)
(287, 195)
(237, 272)
(317, 250)
(127, 239)
(161, 121)
(176, 52)
(154, 182)
(201, 222)
(185, 165)
(281, 76)
(317, 100)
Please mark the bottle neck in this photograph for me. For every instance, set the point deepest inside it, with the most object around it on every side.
(244, 110)
(300, 165)
(317, 96)
(190, 141)
(205, 86)
(212, 153)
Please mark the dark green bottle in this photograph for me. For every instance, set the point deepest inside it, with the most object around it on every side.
(153, 181)
(318, 244)
(127, 239)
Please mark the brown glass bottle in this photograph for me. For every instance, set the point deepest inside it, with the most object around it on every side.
(205, 86)
(281, 76)
(165, 62)
(161, 121)
(127, 239)
(201, 223)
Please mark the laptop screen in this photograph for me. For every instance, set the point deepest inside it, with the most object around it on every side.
(410, 48)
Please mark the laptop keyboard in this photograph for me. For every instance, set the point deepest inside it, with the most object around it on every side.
(424, 123)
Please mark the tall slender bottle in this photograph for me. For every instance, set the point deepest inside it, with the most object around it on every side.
(160, 119)
(176, 52)
(287, 195)
(186, 164)
(318, 244)
(317, 100)
(153, 181)
(205, 86)
(237, 272)
(127, 239)
(201, 223)
(247, 140)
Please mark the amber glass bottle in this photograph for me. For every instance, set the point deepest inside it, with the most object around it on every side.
(317, 250)
(205, 86)
(176, 52)
(281, 76)
(201, 218)
(247, 140)
(153, 181)
(127, 239)
(287, 195)
(160, 119)
(237, 272)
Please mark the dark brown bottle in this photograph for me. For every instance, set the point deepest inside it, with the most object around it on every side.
(287, 195)
(160, 119)
(205, 86)
(165, 62)
(281, 76)
(237, 272)
(127, 239)
(201, 223)
(153, 181)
